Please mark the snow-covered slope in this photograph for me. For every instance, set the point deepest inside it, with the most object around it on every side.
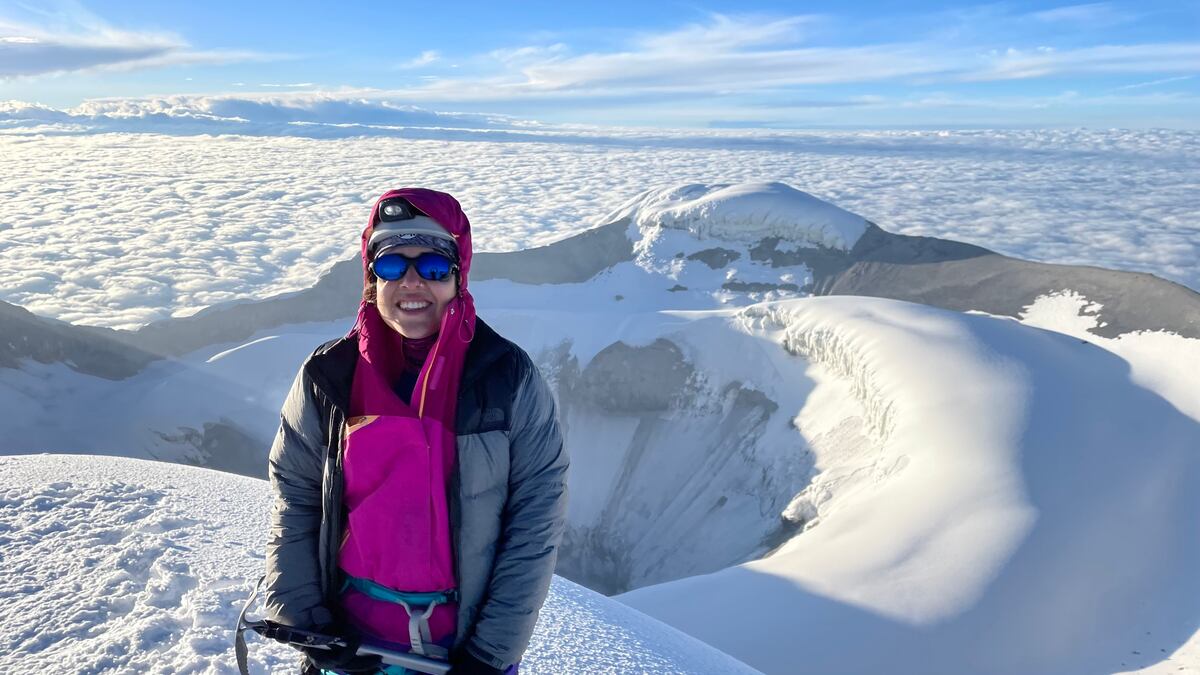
(127, 566)
(990, 498)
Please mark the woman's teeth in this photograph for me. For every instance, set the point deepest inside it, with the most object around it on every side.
(414, 305)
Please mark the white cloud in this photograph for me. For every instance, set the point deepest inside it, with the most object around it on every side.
(426, 58)
(1106, 59)
(731, 55)
(726, 33)
(1155, 83)
(322, 114)
(29, 53)
(722, 56)
(188, 57)
(705, 70)
(1094, 15)
(82, 42)
(529, 54)
(725, 55)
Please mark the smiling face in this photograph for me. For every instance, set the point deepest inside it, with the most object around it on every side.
(413, 306)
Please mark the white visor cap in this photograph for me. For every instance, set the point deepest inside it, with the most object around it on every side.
(396, 232)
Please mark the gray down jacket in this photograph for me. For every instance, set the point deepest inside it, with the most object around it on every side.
(507, 495)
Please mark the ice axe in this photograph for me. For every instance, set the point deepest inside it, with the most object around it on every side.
(303, 638)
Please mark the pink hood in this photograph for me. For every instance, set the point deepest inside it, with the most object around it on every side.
(458, 324)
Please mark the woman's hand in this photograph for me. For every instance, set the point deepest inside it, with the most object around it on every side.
(343, 659)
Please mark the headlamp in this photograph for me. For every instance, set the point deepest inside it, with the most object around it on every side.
(396, 209)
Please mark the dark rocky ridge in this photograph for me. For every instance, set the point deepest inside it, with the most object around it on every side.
(962, 277)
(937, 272)
(93, 351)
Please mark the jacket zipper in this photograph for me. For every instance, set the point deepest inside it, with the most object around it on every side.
(334, 514)
(432, 362)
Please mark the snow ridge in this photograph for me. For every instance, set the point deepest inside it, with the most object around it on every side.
(834, 347)
(745, 212)
(1005, 526)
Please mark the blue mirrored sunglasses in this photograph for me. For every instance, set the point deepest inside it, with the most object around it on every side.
(430, 266)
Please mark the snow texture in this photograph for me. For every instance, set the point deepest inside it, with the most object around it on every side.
(127, 566)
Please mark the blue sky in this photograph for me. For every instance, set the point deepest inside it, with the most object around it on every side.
(719, 65)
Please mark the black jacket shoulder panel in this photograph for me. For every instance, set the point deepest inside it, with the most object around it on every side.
(331, 369)
(493, 369)
(487, 347)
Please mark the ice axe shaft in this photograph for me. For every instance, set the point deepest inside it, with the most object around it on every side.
(420, 664)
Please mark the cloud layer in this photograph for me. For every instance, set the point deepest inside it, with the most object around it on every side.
(120, 229)
(290, 114)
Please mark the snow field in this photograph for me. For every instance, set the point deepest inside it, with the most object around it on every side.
(114, 573)
(119, 566)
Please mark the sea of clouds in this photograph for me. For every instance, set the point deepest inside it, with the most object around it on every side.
(110, 215)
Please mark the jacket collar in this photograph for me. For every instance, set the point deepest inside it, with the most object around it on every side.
(486, 347)
(331, 367)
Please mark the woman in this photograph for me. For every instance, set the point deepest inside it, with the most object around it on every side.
(419, 472)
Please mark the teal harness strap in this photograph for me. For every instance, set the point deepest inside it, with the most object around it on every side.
(419, 636)
(380, 592)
